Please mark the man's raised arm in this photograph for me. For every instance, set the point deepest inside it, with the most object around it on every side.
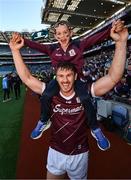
(119, 34)
(24, 73)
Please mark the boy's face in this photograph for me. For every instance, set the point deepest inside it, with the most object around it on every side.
(63, 35)
(66, 79)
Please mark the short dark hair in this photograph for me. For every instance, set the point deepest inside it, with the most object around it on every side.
(53, 28)
(66, 65)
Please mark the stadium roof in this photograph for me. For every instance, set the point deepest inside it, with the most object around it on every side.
(84, 15)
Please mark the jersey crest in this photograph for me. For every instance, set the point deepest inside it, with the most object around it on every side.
(72, 52)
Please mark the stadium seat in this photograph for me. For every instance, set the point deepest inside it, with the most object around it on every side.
(120, 115)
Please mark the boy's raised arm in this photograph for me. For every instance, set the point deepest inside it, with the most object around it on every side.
(119, 34)
(22, 70)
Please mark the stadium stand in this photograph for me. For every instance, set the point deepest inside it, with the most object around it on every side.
(82, 14)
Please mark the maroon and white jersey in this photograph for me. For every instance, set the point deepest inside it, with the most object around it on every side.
(68, 128)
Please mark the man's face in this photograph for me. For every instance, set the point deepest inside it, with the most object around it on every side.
(63, 35)
(66, 79)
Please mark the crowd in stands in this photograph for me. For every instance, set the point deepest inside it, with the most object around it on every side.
(6, 69)
(98, 65)
(5, 50)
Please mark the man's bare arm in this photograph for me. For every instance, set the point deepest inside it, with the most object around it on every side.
(106, 83)
(24, 73)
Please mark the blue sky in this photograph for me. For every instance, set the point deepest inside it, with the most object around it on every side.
(20, 15)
